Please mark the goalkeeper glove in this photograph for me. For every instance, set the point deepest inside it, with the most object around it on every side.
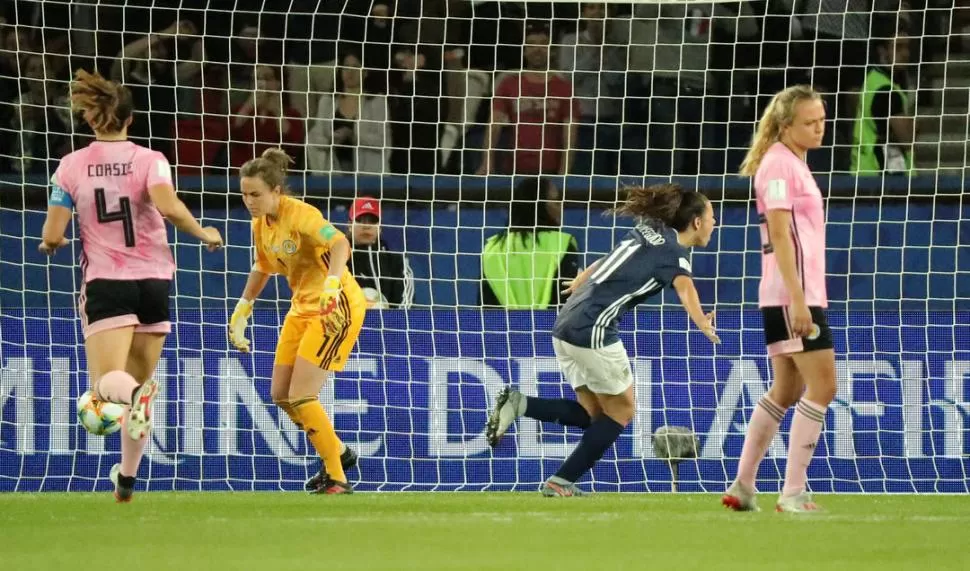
(331, 313)
(237, 324)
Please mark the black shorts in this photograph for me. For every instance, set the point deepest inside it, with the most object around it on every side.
(780, 340)
(110, 304)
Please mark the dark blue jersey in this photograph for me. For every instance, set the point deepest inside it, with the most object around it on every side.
(641, 265)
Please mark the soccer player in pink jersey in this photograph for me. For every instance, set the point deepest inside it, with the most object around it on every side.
(121, 192)
(792, 296)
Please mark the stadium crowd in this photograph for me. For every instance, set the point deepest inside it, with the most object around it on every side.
(452, 86)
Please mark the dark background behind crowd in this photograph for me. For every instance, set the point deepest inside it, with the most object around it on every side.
(423, 86)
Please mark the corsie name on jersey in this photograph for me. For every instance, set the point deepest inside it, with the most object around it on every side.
(110, 169)
(652, 237)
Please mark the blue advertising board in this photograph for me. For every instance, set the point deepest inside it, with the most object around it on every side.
(415, 397)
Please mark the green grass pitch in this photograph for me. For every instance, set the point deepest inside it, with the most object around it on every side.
(476, 531)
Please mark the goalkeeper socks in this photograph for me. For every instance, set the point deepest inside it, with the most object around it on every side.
(597, 439)
(320, 431)
(764, 424)
(117, 387)
(805, 430)
(288, 409)
(131, 450)
(560, 411)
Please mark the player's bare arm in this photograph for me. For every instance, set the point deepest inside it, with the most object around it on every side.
(254, 284)
(55, 225)
(174, 210)
(684, 286)
(339, 255)
(779, 234)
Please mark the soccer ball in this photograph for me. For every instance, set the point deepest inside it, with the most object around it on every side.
(97, 417)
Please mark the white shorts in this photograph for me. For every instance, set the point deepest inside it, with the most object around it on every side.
(603, 371)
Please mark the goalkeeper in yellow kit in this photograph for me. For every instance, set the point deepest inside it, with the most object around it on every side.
(292, 238)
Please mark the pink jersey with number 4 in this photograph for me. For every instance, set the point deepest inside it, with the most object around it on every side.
(784, 182)
(122, 233)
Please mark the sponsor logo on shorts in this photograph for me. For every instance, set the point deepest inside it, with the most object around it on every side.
(816, 331)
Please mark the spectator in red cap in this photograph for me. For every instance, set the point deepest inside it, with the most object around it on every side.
(384, 275)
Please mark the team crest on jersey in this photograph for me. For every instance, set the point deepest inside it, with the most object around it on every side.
(289, 247)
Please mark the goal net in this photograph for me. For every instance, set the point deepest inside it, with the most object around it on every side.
(438, 109)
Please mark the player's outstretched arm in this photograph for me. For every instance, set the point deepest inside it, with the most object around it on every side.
(55, 225)
(692, 303)
(174, 210)
(244, 308)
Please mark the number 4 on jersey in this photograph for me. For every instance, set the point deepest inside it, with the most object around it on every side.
(123, 215)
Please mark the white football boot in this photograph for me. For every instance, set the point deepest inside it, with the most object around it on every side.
(140, 418)
(509, 405)
(798, 504)
(740, 498)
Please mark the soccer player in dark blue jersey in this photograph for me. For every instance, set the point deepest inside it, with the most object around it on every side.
(653, 255)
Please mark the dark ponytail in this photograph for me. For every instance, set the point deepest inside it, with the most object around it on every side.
(668, 203)
(658, 201)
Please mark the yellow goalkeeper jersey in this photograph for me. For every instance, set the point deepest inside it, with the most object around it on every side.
(297, 245)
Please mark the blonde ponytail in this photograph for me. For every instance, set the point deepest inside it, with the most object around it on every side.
(779, 114)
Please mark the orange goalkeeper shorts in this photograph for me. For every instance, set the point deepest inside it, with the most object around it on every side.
(305, 337)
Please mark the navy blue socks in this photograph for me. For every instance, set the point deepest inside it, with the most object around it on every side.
(560, 411)
(597, 439)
